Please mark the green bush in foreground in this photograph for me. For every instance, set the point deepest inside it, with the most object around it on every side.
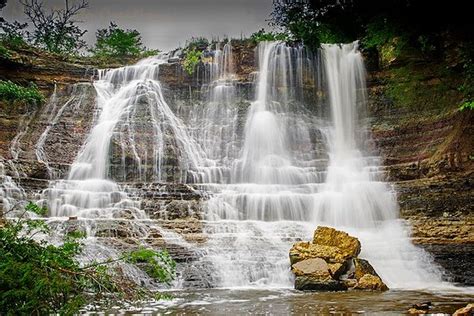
(12, 92)
(40, 278)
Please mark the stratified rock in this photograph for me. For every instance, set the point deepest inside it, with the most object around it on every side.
(309, 283)
(316, 268)
(349, 246)
(305, 250)
(468, 310)
(371, 282)
(363, 267)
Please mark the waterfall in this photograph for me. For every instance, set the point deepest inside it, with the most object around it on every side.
(274, 168)
(132, 129)
(278, 195)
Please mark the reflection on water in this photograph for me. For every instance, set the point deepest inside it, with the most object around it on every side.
(286, 302)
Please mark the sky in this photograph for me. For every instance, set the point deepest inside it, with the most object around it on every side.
(167, 24)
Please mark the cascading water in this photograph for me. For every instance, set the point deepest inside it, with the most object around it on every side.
(122, 145)
(277, 194)
(275, 168)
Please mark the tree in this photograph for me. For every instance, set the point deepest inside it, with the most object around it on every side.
(316, 21)
(117, 42)
(57, 30)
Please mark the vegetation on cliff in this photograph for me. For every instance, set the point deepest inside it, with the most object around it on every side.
(40, 278)
(116, 43)
(12, 92)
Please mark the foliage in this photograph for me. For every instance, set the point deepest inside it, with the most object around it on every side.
(196, 43)
(307, 23)
(4, 52)
(467, 86)
(13, 34)
(191, 60)
(12, 92)
(40, 278)
(32, 207)
(56, 31)
(381, 31)
(117, 42)
(317, 21)
(262, 36)
(159, 265)
(468, 105)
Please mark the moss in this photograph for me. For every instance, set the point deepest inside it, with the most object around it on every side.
(423, 88)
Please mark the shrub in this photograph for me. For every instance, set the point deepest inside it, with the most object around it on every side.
(261, 36)
(13, 34)
(12, 92)
(468, 105)
(40, 278)
(196, 43)
(191, 60)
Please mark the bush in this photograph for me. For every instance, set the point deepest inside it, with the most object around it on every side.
(117, 42)
(12, 92)
(468, 105)
(40, 278)
(191, 60)
(382, 31)
(262, 36)
(197, 43)
(13, 34)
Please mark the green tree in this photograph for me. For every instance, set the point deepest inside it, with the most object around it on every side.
(117, 42)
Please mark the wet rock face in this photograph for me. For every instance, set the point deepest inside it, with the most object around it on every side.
(330, 263)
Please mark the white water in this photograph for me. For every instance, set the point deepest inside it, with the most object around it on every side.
(276, 168)
(122, 145)
(277, 194)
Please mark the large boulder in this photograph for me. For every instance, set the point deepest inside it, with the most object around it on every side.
(349, 246)
(306, 250)
(363, 267)
(371, 282)
(315, 267)
(330, 263)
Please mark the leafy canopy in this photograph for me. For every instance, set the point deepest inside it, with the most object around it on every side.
(117, 42)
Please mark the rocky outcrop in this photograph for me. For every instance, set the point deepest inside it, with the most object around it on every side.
(468, 310)
(330, 263)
